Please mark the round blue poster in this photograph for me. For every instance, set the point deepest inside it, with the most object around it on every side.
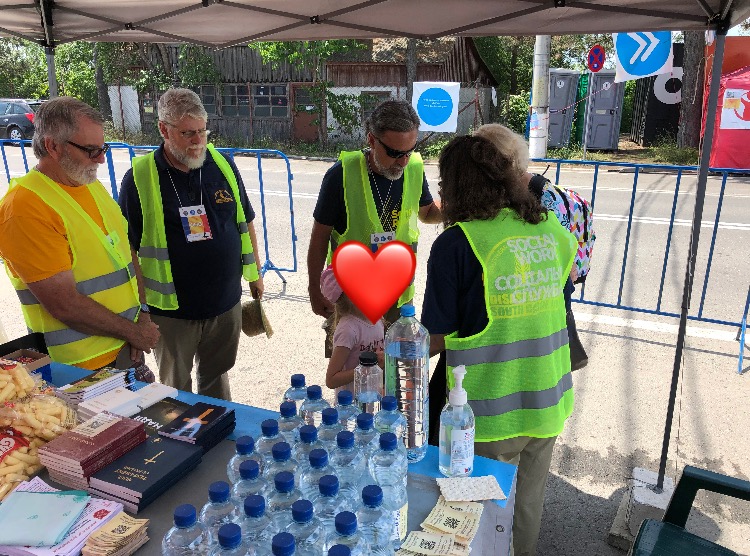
(435, 106)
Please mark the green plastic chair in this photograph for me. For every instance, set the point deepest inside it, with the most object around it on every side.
(668, 536)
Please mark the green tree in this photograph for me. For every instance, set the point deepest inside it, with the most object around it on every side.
(74, 65)
(24, 72)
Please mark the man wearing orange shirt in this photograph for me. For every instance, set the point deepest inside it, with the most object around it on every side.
(66, 249)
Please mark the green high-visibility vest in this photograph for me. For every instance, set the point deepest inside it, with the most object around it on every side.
(153, 253)
(361, 213)
(518, 368)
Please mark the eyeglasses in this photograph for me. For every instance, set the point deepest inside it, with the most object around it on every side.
(93, 152)
(192, 132)
(394, 153)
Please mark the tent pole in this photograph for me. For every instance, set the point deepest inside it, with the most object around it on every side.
(700, 195)
(51, 75)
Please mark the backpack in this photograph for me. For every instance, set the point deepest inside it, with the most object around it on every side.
(575, 214)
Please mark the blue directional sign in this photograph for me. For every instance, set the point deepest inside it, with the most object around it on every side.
(642, 54)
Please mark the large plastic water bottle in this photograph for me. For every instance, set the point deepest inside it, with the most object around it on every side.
(230, 541)
(279, 503)
(346, 533)
(313, 405)
(308, 441)
(388, 466)
(250, 483)
(329, 502)
(347, 410)
(188, 536)
(368, 382)
(306, 529)
(269, 436)
(407, 373)
(255, 524)
(390, 419)
(349, 463)
(329, 428)
(283, 461)
(375, 522)
(283, 544)
(297, 392)
(289, 422)
(310, 476)
(219, 509)
(245, 450)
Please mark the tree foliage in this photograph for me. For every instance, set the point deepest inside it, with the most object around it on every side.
(24, 73)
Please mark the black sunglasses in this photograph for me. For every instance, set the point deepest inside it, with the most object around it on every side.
(393, 153)
(93, 152)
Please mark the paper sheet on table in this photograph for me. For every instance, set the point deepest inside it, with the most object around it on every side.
(467, 489)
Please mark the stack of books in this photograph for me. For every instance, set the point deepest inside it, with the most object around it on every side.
(121, 536)
(120, 401)
(160, 414)
(153, 393)
(141, 475)
(74, 456)
(94, 385)
(202, 424)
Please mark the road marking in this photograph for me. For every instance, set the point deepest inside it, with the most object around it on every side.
(664, 328)
(665, 221)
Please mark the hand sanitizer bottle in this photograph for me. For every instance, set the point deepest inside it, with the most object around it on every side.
(456, 449)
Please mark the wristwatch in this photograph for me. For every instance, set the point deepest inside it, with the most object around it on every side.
(145, 308)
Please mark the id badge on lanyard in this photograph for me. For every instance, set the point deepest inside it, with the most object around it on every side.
(376, 240)
(195, 223)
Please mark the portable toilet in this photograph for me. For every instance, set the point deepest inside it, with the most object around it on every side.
(563, 86)
(603, 111)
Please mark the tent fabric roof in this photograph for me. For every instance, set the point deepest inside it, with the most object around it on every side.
(223, 23)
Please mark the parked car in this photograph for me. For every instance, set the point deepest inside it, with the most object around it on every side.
(17, 118)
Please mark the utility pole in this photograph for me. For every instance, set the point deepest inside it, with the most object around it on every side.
(51, 74)
(540, 98)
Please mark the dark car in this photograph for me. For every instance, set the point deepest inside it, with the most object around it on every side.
(17, 118)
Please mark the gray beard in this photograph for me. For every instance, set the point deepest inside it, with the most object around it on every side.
(77, 174)
(392, 174)
(193, 163)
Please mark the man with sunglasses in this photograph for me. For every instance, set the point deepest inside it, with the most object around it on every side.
(64, 243)
(192, 225)
(378, 192)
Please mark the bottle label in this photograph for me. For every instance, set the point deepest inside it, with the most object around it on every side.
(400, 518)
(462, 451)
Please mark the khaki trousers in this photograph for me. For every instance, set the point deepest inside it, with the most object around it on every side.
(533, 457)
(211, 343)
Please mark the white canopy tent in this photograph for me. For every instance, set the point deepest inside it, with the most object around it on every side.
(224, 23)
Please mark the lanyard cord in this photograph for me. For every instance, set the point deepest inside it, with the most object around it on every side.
(383, 206)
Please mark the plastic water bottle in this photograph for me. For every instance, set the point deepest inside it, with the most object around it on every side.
(306, 529)
(297, 392)
(347, 410)
(219, 509)
(310, 477)
(280, 501)
(407, 373)
(346, 533)
(311, 408)
(245, 448)
(349, 463)
(390, 419)
(456, 446)
(308, 441)
(255, 524)
(188, 536)
(283, 461)
(339, 550)
(375, 522)
(269, 436)
(283, 544)
(250, 483)
(230, 541)
(368, 382)
(388, 466)
(289, 422)
(329, 428)
(329, 502)
(366, 438)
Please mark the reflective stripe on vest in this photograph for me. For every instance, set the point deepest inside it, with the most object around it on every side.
(501, 353)
(102, 269)
(539, 399)
(361, 212)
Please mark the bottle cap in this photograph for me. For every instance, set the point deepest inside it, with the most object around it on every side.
(364, 421)
(318, 458)
(308, 434)
(345, 397)
(269, 427)
(249, 469)
(346, 523)
(288, 409)
(339, 550)
(458, 396)
(185, 515)
(328, 485)
(388, 403)
(314, 392)
(408, 310)
(255, 505)
(388, 441)
(284, 481)
(230, 535)
(345, 439)
(245, 445)
(298, 381)
(281, 451)
(282, 544)
(368, 358)
(372, 495)
(218, 491)
(302, 510)
(330, 416)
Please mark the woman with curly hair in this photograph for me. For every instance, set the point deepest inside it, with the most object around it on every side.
(494, 303)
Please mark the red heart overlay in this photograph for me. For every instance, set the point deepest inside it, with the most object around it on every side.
(374, 281)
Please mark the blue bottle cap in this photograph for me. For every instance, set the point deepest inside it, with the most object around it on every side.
(230, 535)
(281, 451)
(269, 427)
(407, 310)
(282, 544)
(346, 523)
(249, 469)
(314, 392)
(245, 445)
(302, 510)
(345, 397)
(388, 403)
(339, 550)
(330, 416)
(318, 458)
(218, 491)
(372, 495)
(345, 439)
(388, 441)
(288, 409)
(364, 421)
(284, 481)
(255, 505)
(185, 515)
(328, 485)
(308, 434)
(298, 381)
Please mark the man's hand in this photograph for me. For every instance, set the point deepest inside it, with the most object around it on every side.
(256, 288)
(144, 336)
(320, 305)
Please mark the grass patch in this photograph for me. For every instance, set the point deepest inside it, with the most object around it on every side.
(666, 151)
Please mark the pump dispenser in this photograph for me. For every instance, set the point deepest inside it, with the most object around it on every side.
(456, 449)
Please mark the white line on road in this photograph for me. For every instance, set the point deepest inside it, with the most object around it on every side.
(695, 332)
(665, 221)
